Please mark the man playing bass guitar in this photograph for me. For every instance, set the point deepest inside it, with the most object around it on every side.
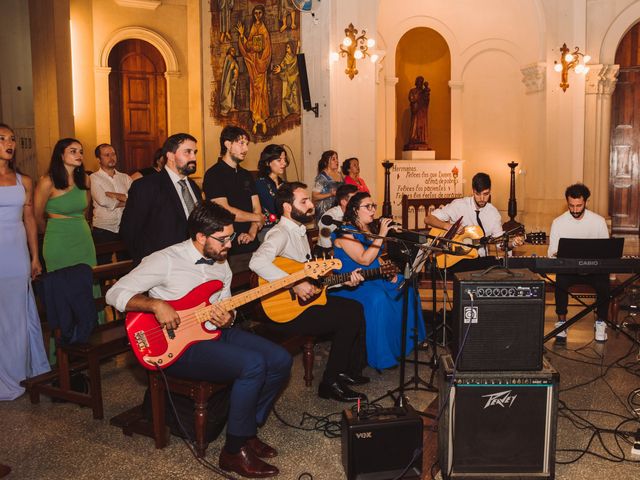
(257, 368)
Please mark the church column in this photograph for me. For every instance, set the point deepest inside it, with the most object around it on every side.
(390, 117)
(456, 118)
(52, 79)
(600, 84)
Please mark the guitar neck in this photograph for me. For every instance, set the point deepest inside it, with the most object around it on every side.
(339, 278)
(243, 298)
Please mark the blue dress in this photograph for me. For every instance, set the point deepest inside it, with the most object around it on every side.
(382, 302)
(22, 354)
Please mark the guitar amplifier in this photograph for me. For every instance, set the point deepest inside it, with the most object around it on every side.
(498, 320)
(497, 424)
(382, 445)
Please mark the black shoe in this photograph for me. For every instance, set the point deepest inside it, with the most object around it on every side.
(339, 392)
(560, 340)
(353, 379)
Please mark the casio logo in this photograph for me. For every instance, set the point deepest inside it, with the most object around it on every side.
(362, 435)
(588, 263)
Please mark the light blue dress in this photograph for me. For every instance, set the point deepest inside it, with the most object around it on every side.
(382, 302)
(22, 352)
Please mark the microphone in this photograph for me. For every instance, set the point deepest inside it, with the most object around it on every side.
(329, 220)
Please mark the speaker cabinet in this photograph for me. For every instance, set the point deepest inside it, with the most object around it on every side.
(498, 425)
(498, 321)
(383, 445)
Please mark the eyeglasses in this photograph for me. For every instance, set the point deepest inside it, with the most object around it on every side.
(369, 206)
(224, 240)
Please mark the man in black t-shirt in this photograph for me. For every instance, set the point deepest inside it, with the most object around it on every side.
(233, 187)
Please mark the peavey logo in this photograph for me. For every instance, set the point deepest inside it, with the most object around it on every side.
(362, 435)
(500, 399)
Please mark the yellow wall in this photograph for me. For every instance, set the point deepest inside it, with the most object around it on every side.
(423, 51)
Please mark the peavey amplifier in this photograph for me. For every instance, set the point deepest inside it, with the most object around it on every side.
(498, 321)
(382, 445)
(497, 424)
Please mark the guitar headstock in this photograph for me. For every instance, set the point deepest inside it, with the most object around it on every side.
(318, 268)
(536, 238)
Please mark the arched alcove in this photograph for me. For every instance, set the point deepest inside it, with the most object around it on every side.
(424, 52)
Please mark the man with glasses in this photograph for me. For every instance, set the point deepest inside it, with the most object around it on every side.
(342, 319)
(257, 368)
(233, 187)
(157, 208)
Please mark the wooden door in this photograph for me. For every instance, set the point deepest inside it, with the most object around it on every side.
(624, 172)
(138, 103)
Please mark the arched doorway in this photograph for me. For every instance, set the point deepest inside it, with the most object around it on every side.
(137, 102)
(624, 171)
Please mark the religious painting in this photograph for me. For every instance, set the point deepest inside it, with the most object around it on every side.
(253, 48)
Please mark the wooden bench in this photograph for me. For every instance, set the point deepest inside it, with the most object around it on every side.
(106, 341)
(420, 207)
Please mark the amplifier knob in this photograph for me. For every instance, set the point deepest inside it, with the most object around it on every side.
(512, 292)
(488, 293)
(503, 292)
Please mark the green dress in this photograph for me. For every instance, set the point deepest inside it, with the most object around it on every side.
(68, 241)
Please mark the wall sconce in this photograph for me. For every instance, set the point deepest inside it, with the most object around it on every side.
(575, 60)
(356, 47)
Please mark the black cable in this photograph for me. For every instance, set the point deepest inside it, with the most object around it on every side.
(330, 428)
(186, 439)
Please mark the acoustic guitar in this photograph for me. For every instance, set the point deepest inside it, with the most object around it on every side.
(284, 306)
(471, 236)
(157, 347)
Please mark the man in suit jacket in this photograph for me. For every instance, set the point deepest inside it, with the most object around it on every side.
(158, 206)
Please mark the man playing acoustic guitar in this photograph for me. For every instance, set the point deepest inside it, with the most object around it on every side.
(475, 210)
(258, 368)
(341, 318)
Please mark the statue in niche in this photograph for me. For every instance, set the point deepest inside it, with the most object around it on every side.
(419, 104)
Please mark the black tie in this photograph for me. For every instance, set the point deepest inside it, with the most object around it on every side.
(186, 196)
(208, 261)
(479, 221)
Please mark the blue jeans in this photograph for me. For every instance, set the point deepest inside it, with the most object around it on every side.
(258, 368)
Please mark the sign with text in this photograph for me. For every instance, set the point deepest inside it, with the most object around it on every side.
(424, 179)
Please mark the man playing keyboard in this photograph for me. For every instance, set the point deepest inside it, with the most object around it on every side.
(578, 222)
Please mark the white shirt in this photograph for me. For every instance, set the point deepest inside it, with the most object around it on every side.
(466, 208)
(175, 178)
(106, 213)
(337, 214)
(170, 274)
(285, 239)
(591, 225)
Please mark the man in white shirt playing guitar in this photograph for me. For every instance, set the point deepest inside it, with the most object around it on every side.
(257, 368)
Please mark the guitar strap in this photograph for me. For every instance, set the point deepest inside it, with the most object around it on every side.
(480, 225)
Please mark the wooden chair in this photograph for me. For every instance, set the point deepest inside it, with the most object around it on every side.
(421, 207)
(105, 342)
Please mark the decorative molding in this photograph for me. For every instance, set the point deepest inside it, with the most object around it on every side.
(391, 81)
(142, 33)
(601, 79)
(534, 77)
(456, 84)
(102, 70)
(146, 4)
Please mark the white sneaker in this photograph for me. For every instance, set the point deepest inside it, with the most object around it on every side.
(601, 331)
(561, 338)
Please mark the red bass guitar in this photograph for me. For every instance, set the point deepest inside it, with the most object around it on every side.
(157, 347)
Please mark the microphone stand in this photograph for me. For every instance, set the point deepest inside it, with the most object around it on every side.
(504, 240)
(398, 394)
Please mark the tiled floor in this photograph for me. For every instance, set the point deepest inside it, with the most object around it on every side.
(62, 441)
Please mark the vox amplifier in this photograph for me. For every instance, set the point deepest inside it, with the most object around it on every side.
(382, 445)
(498, 321)
(497, 424)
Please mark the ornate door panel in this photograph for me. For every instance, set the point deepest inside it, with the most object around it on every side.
(624, 173)
(138, 102)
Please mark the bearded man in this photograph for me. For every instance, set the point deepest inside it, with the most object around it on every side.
(340, 318)
(579, 222)
(157, 208)
(257, 369)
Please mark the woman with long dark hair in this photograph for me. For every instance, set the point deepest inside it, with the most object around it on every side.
(326, 183)
(381, 298)
(62, 196)
(22, 354)
(272, 164)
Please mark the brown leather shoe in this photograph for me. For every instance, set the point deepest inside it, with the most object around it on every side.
(247, 464)
(260, 448)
